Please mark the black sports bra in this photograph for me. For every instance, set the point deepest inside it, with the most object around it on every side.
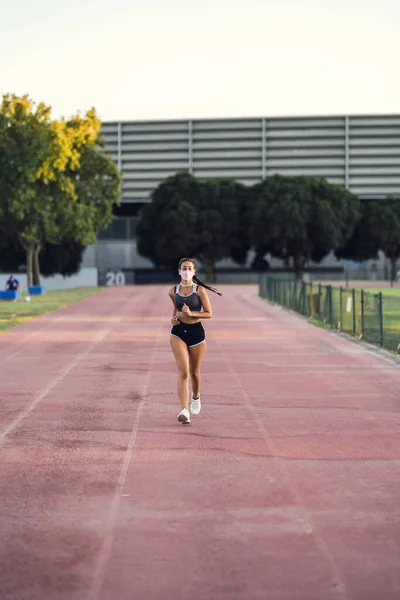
(193, 300)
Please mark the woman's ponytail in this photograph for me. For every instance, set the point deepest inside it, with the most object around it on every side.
(204, 285)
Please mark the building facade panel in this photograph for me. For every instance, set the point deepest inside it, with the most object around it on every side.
(227, 125)
(150, 147)
(238, 134)
(325, 172)
(300, 161)
(305, 122)
(391, 170)
(314, 152)
(360, 152)
(370, 142)
(305, 143)
(237, 154)
(144, 184)
(305, 133)
(391, 161)
(377, 120)
(377, 191)
(137, 158)
(229, 144)
(155, 127)
(135, 196)
(131, 166)
(231, 173)
(216, 163)
(142, 138)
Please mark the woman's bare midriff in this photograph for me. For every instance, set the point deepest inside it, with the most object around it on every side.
(188, 320)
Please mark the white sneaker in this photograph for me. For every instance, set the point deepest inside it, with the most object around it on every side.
(184, 416)
(195, 405)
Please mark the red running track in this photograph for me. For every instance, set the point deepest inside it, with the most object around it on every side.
(286, 486)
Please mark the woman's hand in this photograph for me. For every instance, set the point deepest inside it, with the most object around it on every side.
(186, 310)
(174, 320)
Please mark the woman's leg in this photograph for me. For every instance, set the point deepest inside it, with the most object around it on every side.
(196, 354)
(181, 355)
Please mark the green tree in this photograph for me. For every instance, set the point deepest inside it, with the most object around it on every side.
(302, 218)
(12, 254)
(377, 229)
(387, 213)
(55, 180)
(220, 233)
(64, 258)
(235, 205)
(25, 139)
(97, 189)
(166, 230)
(190, 217)
(364, 243)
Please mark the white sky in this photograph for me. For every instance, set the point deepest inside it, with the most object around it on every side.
(156, 59)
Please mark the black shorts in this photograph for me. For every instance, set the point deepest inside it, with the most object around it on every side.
(192, 335)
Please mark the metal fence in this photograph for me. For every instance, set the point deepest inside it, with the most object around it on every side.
(373, 317)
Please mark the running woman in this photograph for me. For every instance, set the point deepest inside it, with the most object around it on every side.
(188, 338)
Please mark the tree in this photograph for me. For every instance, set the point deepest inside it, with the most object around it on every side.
(64, 258)
(377, 229)
(235, 203)
(190, 217)
(97, 189)
(364, 243)
(12, 254)
(25, 139)
(166, 230)
(387, 215)
(302, 218)
(219, 230)
(259, 262)
(55, 180)
(61, 259)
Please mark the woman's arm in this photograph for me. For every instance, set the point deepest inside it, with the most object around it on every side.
(171, 294)
(206, 313)
(174, 318)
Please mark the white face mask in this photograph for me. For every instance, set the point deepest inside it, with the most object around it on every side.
(186, 275)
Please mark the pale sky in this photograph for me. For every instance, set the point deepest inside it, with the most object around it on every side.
(172, 59)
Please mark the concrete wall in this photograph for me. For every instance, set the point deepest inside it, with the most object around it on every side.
(87, 277)
(114, 254)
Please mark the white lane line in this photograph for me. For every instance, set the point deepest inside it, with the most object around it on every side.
(24, 413)
(27, 410)
(105, 551)
(338, 582)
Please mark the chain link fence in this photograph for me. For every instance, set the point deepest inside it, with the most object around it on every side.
(373, 317)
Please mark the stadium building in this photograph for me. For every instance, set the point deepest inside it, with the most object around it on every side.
(362, 153)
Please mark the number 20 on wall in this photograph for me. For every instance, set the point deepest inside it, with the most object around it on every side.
(115, 278)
